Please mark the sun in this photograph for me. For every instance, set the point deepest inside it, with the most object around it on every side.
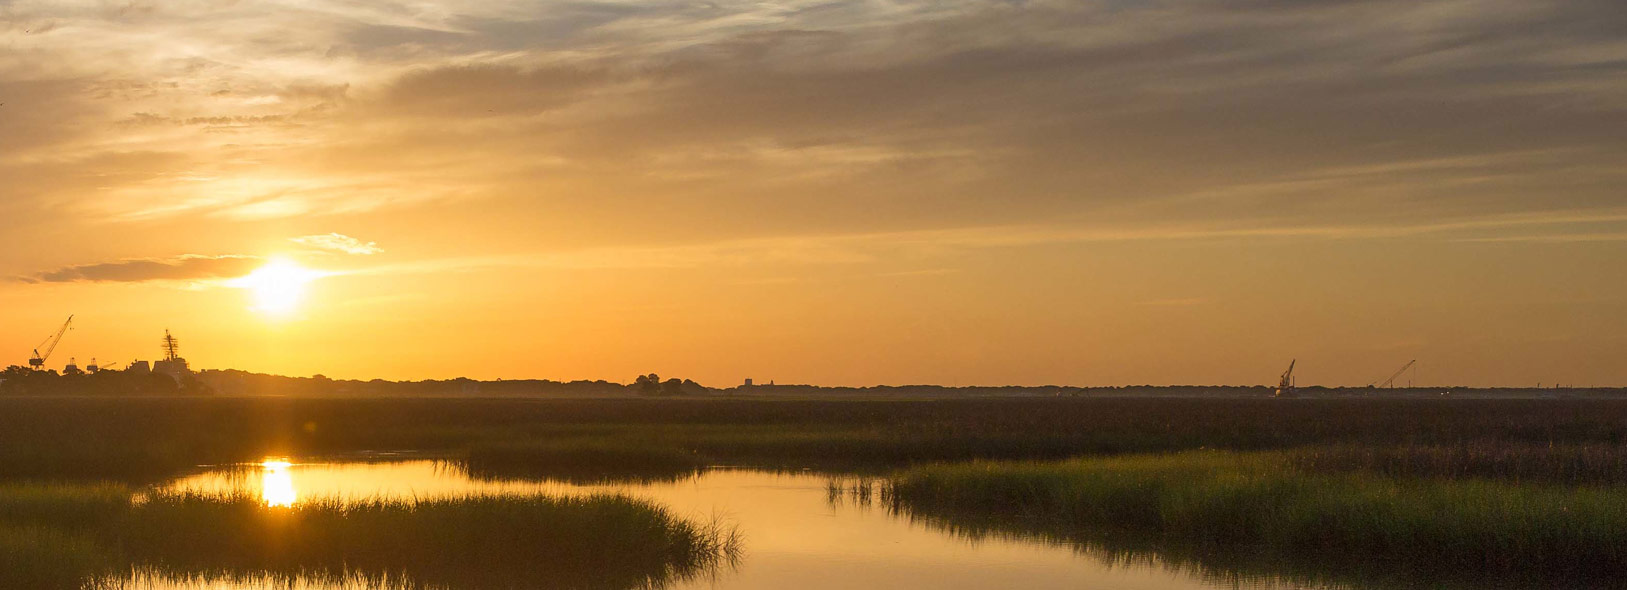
(278, 287)
(277, 484)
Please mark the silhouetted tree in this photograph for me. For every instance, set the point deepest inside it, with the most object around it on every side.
(672, 387)
(648, 384)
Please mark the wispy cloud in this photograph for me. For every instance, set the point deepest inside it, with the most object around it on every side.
(1179, 302)
(316, 107)
(920, 245)
(1552, 239)
(336, 242)
(190, 267)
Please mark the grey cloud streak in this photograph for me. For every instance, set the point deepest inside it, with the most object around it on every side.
(1064, 108)
(189, 267)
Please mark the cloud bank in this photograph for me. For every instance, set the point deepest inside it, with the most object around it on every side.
(190, 267)
(842, 116)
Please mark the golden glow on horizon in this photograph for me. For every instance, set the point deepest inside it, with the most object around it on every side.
(278, 287)
(277, 484)
(508, 191)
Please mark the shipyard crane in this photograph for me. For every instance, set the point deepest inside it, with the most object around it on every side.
(1286, 386)
(39, 358)
(1390, 383)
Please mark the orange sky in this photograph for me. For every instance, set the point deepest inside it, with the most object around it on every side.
(845, 193)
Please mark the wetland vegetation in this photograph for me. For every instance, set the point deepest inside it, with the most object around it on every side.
(152, 438)
(1355, 491)
(1241, 512)
(61, 536)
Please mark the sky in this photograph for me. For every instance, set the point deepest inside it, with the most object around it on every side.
(838, 192)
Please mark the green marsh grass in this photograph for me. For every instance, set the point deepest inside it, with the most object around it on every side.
(1240, 512)
(48, 559)
(61, 536)
(142, 440)
(1565, 464)
(582, 461)
(476, 542)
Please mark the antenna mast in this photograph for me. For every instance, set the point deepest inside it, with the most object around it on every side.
(172, 347)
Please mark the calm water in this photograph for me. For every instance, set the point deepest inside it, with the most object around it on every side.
(796, 535)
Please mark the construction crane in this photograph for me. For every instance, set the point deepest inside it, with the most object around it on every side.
(1286, 386)
(1390, 383)
(38, 360)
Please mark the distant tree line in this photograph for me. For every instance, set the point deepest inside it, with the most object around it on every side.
(652, 385)
(235, 382)
(16, 380)
(24, 381)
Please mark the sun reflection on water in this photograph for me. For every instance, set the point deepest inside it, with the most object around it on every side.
(277, 484)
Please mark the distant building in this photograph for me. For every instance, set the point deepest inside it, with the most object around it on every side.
(748, 382)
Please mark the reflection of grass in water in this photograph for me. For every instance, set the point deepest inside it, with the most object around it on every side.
(859, 492)
(1245, 515)
(589, 542)
(148, 579)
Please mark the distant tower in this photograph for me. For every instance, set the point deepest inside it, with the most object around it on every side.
(748, 382)
(172, 348)
(172, 365)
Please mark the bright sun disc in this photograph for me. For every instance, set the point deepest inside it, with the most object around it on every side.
(277, 484)
(278, 287)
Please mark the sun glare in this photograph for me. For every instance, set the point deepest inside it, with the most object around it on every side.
(278, 287)
(277, 484)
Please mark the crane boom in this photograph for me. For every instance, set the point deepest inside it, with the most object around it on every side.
(39, 358)
(1391, 381)
(1286, 386)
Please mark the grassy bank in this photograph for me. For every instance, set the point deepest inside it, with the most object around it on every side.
(60, 536)
(1566, 464)
(140, 439)
(1231, 513)
(669, 451)
(581, 461)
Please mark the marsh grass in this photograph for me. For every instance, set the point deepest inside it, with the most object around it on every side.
(48, 559)
(141, 440)
(582, 461)
(484, 542)
(61, 536)
(1256, 512)
(1566, 464)
(1412, 484)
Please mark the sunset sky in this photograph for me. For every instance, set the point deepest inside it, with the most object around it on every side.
(838, 192)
